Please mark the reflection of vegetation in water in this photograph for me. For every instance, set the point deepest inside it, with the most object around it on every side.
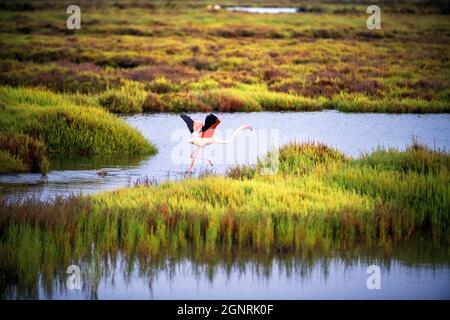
(96, 162)
(319, 201)
(96, 268)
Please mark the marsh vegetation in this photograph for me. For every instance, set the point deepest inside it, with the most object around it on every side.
(320, 201)
(172, 57)
(59, 90)
(37, 124)
(179, 57)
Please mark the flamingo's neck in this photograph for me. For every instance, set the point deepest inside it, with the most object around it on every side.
(231, 138)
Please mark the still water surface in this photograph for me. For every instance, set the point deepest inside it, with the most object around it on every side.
(287, 278)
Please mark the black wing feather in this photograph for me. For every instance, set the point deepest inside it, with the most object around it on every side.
(189, 122)
(209, 122)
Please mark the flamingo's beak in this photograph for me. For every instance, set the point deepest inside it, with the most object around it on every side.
(248, 127)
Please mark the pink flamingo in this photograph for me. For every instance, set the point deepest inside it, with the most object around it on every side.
(203, 134)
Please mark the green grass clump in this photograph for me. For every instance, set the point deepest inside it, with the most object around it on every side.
(161, 85)
(274, 101)
(257, 99)
(119, 102)
(127, 99)
(43, 124)
(361, 103)
(183, 102)
(300, 158)
(10, 163)
(66, 77)
(230, 100)
(417, 157)
(205, 84)
(22, 153)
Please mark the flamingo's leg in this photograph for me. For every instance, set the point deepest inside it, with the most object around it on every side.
(192, 163)
(194, 157)
(209, 160)
(196, 150)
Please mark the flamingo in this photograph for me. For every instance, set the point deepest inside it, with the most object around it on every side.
(203, 134)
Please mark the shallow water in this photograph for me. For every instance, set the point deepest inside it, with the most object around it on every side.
(352, 133)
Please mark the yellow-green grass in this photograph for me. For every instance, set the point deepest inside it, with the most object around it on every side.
(318, 201)
(36, 123)
(10, 163)
(172, 54)
(21, 153)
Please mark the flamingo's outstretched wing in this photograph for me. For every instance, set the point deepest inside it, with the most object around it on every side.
(211, 123)
(189, 122)
(193, 125)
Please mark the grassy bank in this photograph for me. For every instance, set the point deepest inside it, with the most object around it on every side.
(318, 201)
(36, 124)
(155, 56)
